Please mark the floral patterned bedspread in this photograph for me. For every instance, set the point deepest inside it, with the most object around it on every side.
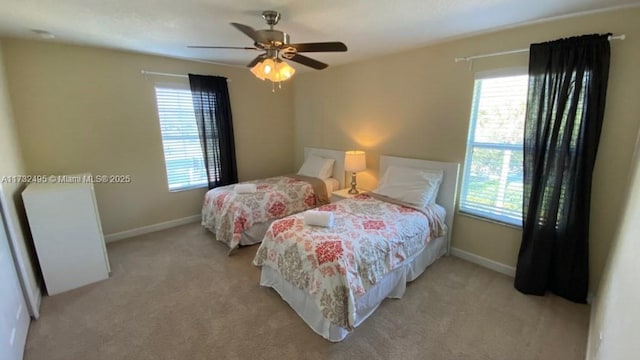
(336, 265)
(228, 214)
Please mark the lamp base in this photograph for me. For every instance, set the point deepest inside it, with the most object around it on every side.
(353, 190)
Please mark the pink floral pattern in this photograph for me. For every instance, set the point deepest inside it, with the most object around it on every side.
(239, 225)
(277, 209)
(280, 226)
(373, 225)
(329, 207)
(336, 265)
(228, 214)
(310, 201)
(219, 200)
(328, 251)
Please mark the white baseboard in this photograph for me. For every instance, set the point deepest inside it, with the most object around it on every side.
(499, 267)
(151, 228)
(484, 262)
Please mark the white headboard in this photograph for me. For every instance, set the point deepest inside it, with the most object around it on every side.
(338, 166)
(448, 188)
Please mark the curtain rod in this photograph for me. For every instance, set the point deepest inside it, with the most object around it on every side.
(508, 52)
(145, 73)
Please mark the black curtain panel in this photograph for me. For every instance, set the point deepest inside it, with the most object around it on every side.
(565, 108)
(213, 114)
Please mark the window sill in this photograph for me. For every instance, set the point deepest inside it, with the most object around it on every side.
(476, 217)
(189, 188)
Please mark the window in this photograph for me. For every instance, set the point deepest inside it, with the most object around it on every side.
(180, 139)
(493, 175)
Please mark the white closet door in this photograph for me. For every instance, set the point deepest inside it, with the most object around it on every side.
(14, 319)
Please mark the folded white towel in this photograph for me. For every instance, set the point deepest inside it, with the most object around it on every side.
(245, 188)
(318, 218)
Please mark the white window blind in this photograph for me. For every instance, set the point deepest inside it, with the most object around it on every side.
(180, 139)
(492, 186)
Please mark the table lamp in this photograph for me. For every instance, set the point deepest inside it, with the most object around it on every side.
(354, 161)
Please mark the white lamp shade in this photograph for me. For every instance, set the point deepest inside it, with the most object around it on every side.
(354, 161)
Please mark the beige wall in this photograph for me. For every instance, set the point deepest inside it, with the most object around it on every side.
(10, 196)
(615, 315)
(82, 109)
(417, 104)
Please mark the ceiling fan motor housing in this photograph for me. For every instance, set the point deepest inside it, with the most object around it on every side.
(276, 44)
(268, 39)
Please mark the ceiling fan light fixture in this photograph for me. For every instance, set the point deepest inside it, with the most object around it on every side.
(274, 70)
(262, 69)
(284, 71)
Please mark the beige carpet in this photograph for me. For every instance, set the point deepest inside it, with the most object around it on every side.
(175, 294)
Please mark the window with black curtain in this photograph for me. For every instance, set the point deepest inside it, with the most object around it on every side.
(212, 108)
(565, 110)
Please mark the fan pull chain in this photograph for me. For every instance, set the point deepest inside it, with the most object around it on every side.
(273, 86)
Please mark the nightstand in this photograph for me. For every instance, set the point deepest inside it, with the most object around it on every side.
(344, 194)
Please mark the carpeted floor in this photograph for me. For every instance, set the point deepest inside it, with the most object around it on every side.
(175, 294)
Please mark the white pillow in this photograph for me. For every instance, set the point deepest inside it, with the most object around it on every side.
(415, 186)
(316, 166)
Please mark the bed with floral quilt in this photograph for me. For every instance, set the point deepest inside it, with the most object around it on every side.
(230, 214)
(240, 214)
(335, 277)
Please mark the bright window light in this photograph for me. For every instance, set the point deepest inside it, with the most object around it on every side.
(492, 185)
(180, 139)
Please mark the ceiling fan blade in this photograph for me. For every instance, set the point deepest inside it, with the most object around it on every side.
(308, 62)
(320, 46)
(247, 30)
(222, 47)
(255, 61)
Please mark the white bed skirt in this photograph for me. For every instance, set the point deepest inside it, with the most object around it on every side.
(392, 285)
(255, 233)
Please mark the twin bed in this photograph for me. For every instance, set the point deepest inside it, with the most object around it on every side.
(335, 277)
(239, 218)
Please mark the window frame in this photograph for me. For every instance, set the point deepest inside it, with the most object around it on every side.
(204, 182)
(471, 145)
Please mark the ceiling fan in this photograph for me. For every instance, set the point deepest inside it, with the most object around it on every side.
(275, 45)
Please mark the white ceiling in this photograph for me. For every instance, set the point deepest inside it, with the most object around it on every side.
(368, 27)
